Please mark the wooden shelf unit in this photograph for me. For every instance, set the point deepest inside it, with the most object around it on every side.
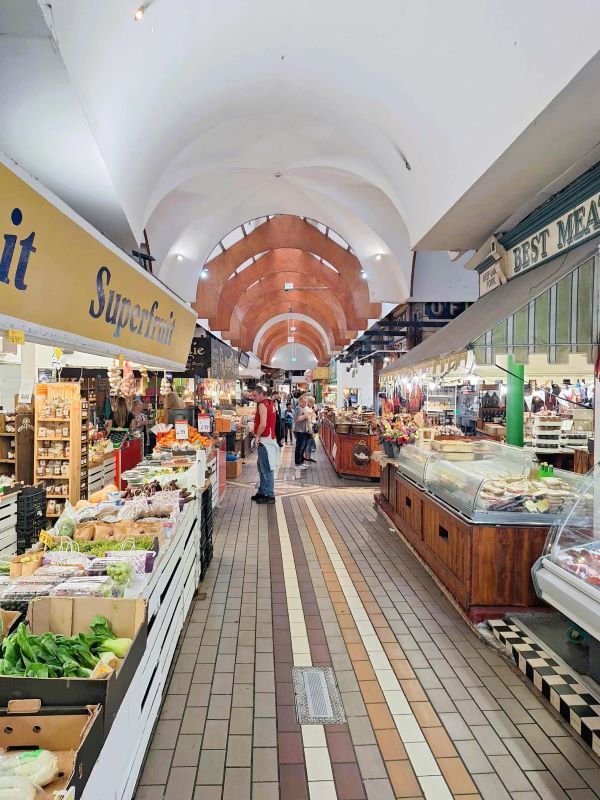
(21, 465)
(47, 394)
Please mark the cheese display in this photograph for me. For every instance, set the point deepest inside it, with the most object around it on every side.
(516, 493)
(487, 481)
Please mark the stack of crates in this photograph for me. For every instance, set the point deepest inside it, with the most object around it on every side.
(31, 516)
(206, 533)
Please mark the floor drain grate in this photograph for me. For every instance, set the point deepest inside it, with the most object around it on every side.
(317, 696)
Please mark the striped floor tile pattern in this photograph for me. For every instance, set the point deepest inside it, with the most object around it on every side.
(431, 710)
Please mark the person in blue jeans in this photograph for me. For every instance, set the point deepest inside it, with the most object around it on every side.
(288, 424)
(264, 432)
(302, 426)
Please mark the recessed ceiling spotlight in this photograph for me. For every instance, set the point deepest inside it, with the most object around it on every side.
(378, 257)
(141, 10)
(179, 257)
(278, 174)
(293, 328)
(204, 273)
(363, 274)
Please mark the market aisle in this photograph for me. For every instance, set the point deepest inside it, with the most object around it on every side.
(431, 710)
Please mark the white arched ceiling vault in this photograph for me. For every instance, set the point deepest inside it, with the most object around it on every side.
(296, 318)
(195, 108)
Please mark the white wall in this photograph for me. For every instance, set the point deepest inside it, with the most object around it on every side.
(10, 380)
(437, 279)
(304, 357)
(363, 382)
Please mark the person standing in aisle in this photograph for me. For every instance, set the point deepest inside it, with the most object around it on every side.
(268, 450)
(311, 445)
(276, 398)
(288, 423)
(301, 429)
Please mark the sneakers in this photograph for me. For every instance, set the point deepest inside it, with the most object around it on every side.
(256, 497)
(313, 460)
(265, 501)
(300, 466)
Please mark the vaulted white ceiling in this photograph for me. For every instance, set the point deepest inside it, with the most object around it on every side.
(194, 112)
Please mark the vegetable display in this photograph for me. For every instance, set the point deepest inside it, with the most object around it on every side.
(54, 656)
(100, 547)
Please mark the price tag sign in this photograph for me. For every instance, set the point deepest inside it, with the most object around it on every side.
(46, 539)
(15, 336)
(181, 429)
(203, 423)
(25, 391)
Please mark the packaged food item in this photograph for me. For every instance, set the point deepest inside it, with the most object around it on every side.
(13, 787)
(142, 561)
(59, 571)
(38, 766)
(119, 569)
(87, 586)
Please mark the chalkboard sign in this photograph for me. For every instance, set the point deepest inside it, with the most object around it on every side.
(211, 358)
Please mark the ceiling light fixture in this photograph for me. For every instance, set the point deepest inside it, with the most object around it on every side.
(204, 273)
(179, 257)
(378, 257)
(141, 10)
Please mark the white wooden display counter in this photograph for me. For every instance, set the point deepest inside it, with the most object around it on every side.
(8, 523)
(169, 594)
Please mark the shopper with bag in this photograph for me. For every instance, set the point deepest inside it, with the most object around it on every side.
(269, 453)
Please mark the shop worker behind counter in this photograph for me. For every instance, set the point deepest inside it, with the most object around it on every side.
(269, 454)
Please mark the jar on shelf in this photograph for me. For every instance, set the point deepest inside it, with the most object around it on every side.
(67, 451)
(65, 431)
(41, 467)
(64, 468)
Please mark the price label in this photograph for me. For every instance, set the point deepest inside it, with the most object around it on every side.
(46, 539)
(15, 336)
(203, 423)
(25, 391)
(57, 352)
(181, 429)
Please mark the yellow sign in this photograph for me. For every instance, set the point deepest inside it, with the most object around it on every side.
(15, 336)
(46, 539)
(58, 273)
(58, 353)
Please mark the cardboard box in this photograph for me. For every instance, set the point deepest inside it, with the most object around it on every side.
(223, 424)
(70, 616)
(74, 735)
(234, 469)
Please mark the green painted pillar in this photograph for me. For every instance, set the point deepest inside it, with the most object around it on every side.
(515, 399)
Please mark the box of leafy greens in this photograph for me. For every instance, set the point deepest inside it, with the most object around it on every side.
(75, 651)
(47, 749)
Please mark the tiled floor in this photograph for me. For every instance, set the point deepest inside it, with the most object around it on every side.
(320, 579)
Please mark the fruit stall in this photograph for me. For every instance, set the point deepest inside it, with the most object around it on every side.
(92, 614)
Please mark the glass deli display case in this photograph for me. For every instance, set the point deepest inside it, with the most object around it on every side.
(567, 575)
(488, 482)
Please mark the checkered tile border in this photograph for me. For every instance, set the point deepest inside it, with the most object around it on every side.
(556, 682)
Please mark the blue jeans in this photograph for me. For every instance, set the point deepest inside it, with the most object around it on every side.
(266, 487)
(301, 442)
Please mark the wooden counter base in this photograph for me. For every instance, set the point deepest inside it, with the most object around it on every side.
(340, 449)
(486, 568)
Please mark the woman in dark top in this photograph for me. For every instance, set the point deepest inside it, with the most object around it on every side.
(121, 416)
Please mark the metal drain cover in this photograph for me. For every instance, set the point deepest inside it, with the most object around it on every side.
(317, 696)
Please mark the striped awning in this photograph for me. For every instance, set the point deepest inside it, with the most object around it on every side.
(552, 309)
